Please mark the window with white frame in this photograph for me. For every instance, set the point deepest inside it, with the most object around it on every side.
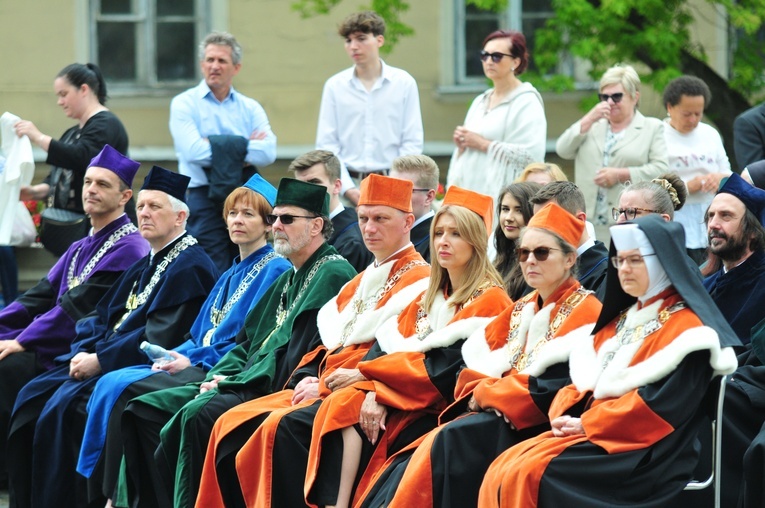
(474, 24)
(145, 44)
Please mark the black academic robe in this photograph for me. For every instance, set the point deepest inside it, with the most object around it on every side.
(591, 271)
(420, 236)
(49, 418)
(740, 294)
(743, 427)
(347, 240)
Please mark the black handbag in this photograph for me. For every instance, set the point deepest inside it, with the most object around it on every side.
(61, 228)
(62, 221)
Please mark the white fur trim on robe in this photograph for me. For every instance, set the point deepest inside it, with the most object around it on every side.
(559, 350)
(619, 377)
(531, 329)
(331, 321)
(444, 334)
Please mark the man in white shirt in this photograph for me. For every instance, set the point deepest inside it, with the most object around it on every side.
(370, 113)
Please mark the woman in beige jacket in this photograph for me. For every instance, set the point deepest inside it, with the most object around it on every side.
(613, 144)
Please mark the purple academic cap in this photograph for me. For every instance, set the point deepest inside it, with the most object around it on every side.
(124, 167)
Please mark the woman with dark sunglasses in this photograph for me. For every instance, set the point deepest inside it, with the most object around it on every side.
(623, 432)
(513, 368)
(612, 144)
(505, 128)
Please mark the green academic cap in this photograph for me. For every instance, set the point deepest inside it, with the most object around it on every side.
(312, 197)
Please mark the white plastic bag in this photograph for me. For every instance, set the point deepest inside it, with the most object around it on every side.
(24, 232)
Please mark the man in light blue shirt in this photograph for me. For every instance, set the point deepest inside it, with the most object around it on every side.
(216, 130)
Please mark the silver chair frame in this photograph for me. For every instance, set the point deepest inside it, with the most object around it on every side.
(714, 475)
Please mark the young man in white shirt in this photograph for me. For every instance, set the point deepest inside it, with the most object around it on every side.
(370, 113)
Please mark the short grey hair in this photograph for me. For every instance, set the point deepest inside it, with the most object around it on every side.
(222, 39)
(179, 206)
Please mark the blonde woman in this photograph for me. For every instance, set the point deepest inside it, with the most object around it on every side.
(542, 173)
(612, 144)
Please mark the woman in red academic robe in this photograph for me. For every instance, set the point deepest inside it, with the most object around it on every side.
(513, 368)
(623, 431)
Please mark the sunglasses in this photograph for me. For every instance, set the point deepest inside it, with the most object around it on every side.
(420, 190)
(540, 253)
(495, 57)
(286, 218)
(616, 97)
(629, 213)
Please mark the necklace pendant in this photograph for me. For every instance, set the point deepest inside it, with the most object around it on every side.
(522, 362)
(216, 317)
(132, 302)
(74, 282)
(347, 330)
(422, 325)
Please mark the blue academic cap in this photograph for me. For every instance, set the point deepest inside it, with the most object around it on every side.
(752, 197)
(258, 184)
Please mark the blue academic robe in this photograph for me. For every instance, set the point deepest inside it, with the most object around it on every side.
(111, 385)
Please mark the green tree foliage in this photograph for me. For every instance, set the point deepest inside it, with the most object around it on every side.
(390, 10)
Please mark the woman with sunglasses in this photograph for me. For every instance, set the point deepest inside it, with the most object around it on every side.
(514, 209)
(663, 196)
(623, 432)
(513, 367)
(505, 128)
(612, 144)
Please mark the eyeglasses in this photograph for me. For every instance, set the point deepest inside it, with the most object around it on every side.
(495, 57)
(629, 213)
(616, 97)
(286, 218)
(632, 261)
(540, 253)
(420, 190)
